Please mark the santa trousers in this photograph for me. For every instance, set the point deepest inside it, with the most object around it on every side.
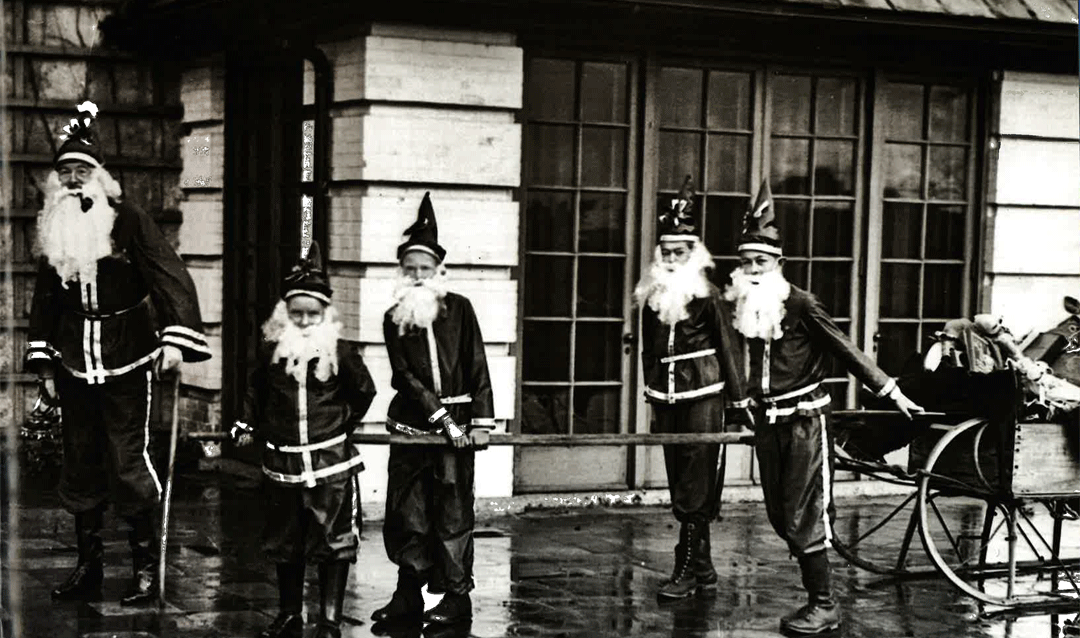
(106, 434)
(312, 524)
(691, 469)
(429, 514)
(795, 463)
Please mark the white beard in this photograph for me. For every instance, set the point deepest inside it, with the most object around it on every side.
(668, 288)
(73, 241)
(418, 303)
(759, 303)
(298, 347)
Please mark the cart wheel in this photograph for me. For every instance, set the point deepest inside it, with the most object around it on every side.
(966, 526)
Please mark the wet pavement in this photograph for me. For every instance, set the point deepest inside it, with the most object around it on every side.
(588, 573)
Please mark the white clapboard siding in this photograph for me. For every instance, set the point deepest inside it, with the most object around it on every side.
(201, 232)
(1041, 105)
(503, 371)
(206, 374)
(1037, 240)
(495, 303)
(1039, 172)
(202, 92)
(494, 477)
(474, 232)
(203, 155)
(208, 286)
(1031, 302)
(421, 145)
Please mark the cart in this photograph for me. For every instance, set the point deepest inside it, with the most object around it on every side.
(992, 497)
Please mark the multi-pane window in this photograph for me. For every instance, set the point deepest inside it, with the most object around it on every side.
(815, 146)
(928, 155)
(577, 238)
(707, 131)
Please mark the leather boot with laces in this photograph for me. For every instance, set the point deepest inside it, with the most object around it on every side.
(144, 561)
(407, 603)
(290, 621)
(815, 618)
(85, 580)
(703, 565)
(333, 578)
(683, 581)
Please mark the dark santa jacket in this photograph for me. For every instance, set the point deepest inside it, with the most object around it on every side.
(694, 359)
(444, 367)
(786, 374)
(143, 298)
(306, 426)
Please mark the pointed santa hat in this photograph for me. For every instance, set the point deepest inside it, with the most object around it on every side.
(79, 140)
(424, 234)
(307, 277)
(677, 222)
(760, 231)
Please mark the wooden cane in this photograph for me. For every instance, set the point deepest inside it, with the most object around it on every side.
(168, 488)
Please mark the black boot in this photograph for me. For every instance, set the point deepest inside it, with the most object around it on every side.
(333, 577)
(144, 559)
(821, 614)
(452, 609)
(86, 579)
(683, 581)
(290, 620)
(704, 571)
(407, 603)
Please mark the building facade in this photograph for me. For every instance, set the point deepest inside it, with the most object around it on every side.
(924, 156)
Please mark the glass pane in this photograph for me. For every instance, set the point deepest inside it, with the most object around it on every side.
(598, 354)
(729, 163)
(603, 223)
(545, 410)
(797, 272)
(600, 286)
(549, 221)
(723, 224)
(904, 111)
(945, 232)
(730, 100)
(903, 170)
(900, 294)
(603, 92)
(680, 97)
(943, 290)
(551, 155)
(836, 102)
(831, 282)
(596, 410)
(901, 232)
(603, 157)
(546, 351)
(549, 92)
(680, 155)
(790, 103)
(793, 217)
(834, 224)
(548, 286)
(948, 114)
(948, 173)
(899, 341)
(791, 166)
(834, 168)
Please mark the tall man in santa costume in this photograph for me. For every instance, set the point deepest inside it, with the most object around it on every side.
(305, 395)
(786, 336)
(112, 303)
(440, 373)
(687, 355)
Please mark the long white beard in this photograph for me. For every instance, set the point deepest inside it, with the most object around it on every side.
(759, 303)
(669, 288)
(417, 304)
(298, 347)
(71, 240)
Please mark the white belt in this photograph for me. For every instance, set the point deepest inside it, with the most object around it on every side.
(688, 355)
(792, 394)
(461, 398)
(309, 447)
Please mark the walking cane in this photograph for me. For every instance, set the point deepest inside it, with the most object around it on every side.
(168, 488)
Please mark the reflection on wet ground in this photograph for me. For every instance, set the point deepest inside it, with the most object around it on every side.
(587, 573)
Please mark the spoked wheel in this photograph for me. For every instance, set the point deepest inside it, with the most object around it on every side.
(878, 536)
(995, 548)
